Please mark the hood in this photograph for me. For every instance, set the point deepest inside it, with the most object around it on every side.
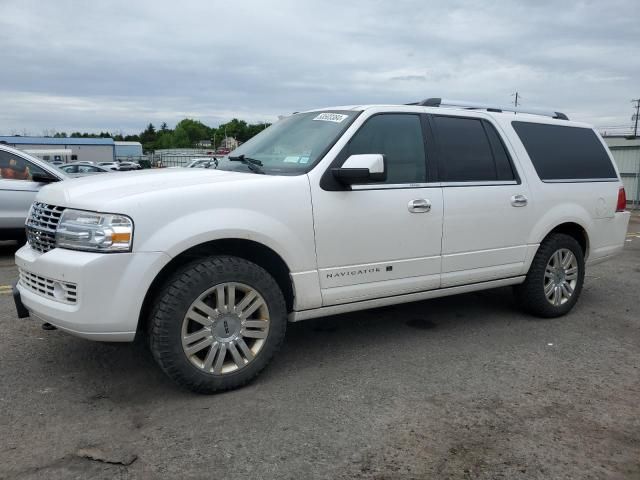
(96, 191)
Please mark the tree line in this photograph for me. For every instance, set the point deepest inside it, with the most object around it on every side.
(186, 134)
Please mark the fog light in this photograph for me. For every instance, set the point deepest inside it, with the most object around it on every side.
(59, 291)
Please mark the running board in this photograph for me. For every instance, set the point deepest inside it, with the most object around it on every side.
(397, 299)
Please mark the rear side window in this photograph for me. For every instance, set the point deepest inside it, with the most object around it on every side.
(470, 151)
(565, 153)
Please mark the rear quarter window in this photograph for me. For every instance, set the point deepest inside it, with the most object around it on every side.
(565, 153)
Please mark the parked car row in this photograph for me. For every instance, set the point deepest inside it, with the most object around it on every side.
(124, 166)
(82, 168)
(203, 163)
(107, 166)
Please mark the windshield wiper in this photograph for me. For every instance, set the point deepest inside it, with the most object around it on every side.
(251, 163)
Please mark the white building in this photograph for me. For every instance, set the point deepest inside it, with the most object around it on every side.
(52, 155)
(626, 152)
(230, 143)
(83, 149)
(128, 149)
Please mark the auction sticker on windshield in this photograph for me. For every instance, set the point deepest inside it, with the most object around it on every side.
(331, 117)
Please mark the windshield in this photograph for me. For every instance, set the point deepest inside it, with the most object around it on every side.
(292, 145)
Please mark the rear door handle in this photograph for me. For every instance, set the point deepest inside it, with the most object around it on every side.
(519, 201)
(420, 205)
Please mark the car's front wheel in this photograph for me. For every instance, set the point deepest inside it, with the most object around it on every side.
(554, 281)
(217, 323)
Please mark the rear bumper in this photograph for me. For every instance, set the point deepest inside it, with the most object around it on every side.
(109, 295)
(608, 237)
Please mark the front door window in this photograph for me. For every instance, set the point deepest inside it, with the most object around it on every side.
(13, 167)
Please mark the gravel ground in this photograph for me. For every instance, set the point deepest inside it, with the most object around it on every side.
(463, 387)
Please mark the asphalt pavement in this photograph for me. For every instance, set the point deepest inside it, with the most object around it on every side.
(464, 387)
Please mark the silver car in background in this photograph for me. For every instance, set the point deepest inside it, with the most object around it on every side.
(21, 177)
(208, 162)
(115, 166)
(81, 169)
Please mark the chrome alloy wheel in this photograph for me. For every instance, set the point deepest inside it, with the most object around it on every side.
(560, 277)
(225, 328)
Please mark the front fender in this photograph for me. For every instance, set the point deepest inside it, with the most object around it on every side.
(293, 243)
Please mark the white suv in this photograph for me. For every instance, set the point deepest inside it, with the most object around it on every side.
(325, 212)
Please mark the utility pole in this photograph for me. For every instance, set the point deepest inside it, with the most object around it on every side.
(517, 97)
(635, 128)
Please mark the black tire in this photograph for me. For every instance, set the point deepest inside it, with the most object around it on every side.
(530, 295)
(176, 297)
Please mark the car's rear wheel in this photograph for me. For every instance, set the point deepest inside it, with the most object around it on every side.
(555, 278)
(217, 323)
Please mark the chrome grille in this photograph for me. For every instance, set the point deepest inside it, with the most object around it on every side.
(65, 292)
(41, 226)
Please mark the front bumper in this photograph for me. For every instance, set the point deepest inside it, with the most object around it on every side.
(110, 289)
(20, 308)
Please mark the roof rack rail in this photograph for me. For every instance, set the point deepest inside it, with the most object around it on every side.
(443, 102)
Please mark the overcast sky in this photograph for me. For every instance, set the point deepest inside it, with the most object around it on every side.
(117, 65)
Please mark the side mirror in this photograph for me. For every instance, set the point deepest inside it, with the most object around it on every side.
(44, 177)
(364, 168)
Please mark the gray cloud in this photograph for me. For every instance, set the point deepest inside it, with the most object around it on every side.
(75, 65)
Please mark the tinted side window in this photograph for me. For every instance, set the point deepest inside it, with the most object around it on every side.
(399, 138)
(466, 154)
(504, 171)
(564, 153)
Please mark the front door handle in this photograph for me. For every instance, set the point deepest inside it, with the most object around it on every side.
(519, 201)
(421, 205)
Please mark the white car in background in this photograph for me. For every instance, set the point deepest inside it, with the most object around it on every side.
(110, 165)
(126, 166)
(21, 177)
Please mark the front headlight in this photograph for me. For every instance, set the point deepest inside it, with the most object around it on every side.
(94, 232)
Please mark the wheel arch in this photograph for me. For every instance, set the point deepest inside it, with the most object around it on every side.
(250, 250)
(575, 230)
